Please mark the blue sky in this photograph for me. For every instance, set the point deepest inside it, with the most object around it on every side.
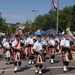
(19, 10)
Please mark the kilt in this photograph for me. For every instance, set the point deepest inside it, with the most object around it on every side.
(57, 47)
(29, 50)
(38, 58)
(4, 51)
(16, 56)
(25, 50)
(13, 53)
(51, 50)
(65, 54)
(44, 49)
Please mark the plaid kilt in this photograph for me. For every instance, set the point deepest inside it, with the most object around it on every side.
(13, 54)
(25, 50)
(4, 51)
(37, 57)
(29, 50)
(44, 49)
(51, 51)
(65, 54)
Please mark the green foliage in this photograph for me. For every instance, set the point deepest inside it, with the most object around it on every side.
(3, 26)
(46, 21)
(66, 18)
(12, 28)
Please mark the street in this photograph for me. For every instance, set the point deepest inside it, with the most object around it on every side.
(48, 68)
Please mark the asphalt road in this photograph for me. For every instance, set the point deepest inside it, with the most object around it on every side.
(48, 69)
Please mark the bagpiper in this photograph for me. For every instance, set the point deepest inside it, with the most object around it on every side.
(29, 50)
(16, 47)
(7, 49)
(51, 49)
(66, 51)
(37, 48)
(73, 45)
(44, 45)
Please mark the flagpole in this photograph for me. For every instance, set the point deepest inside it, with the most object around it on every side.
(57, 16)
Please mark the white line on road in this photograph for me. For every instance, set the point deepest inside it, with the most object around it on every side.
(63, 74)
(57, 67)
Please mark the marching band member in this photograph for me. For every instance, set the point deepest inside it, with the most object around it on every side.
(29, 45)
(65, 44)
(17, 49)
(73, 45)
(4, 40)
(57, 45)
(51, 48)
(44, 45)
(25, 56)
(6, 47)
(38, 55)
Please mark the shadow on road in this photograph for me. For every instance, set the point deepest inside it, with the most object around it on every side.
(70, 68)
(56, 61)
(1, 57)
(45, 71)
(24, 68)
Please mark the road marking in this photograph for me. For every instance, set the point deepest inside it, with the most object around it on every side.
(64, 74)
(57, 67)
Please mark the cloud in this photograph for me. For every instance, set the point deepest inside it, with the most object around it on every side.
(14, 16)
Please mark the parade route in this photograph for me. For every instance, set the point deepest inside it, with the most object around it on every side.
(48, 69)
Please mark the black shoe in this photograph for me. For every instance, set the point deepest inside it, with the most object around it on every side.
(15, 71)
(64, 71)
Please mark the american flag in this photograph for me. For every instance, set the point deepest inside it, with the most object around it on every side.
(54, 5)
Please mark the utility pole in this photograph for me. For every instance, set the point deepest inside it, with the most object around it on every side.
(57, 16)
(0, 13)
(35, 18)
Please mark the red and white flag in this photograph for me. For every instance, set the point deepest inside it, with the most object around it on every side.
(54, 5)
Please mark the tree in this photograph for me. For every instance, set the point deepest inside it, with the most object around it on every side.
(48, 20)
(73, 19)
(3, 26)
